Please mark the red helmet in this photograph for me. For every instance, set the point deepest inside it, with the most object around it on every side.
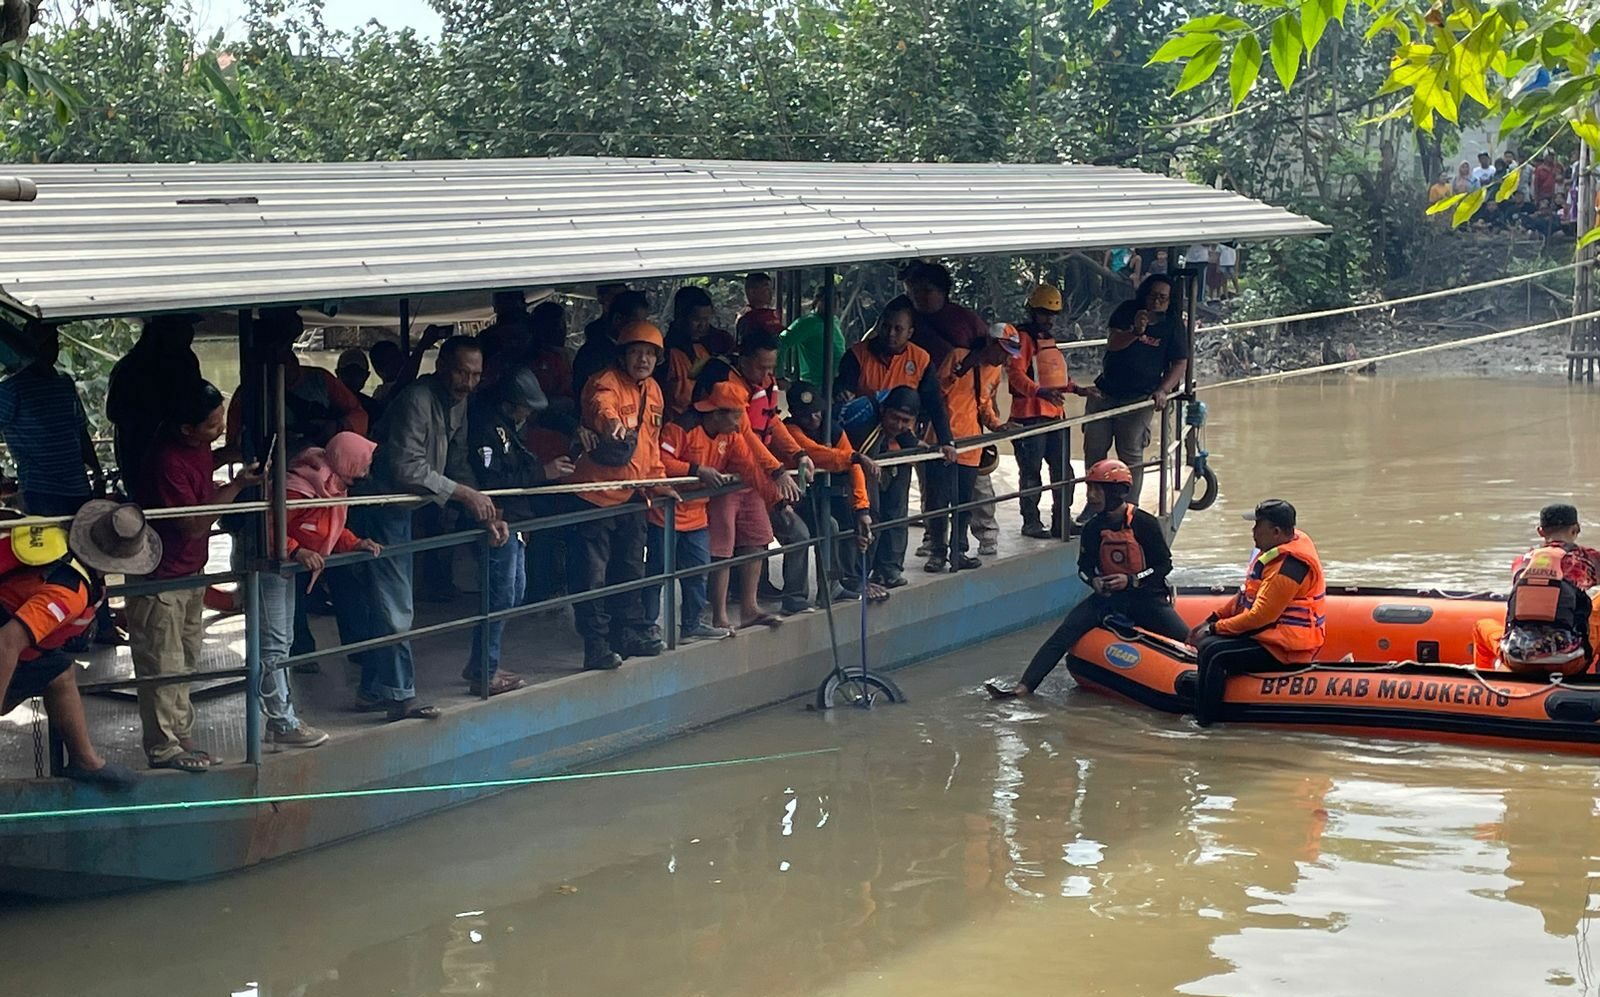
(1110, 472)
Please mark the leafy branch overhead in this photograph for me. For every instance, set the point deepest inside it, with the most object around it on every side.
(1533, 64)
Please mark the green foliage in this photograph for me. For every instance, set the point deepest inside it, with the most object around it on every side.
(1443, 60)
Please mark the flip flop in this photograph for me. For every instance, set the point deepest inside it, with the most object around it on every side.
(762, 620)
(877, 593)
(403, 710)
(186, 762)
(997, 692)
(111, 775)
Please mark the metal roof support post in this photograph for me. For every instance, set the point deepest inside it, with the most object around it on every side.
(1191, 319)
(405, 327)
(252, 661)
(824, 505)
(253, 539)
(280, 466)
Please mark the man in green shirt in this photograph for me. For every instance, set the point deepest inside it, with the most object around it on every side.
(800, 355)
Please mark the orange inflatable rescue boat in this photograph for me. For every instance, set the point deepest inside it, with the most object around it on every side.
(1396, 663)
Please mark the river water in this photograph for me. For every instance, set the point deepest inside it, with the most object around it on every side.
(953, 846)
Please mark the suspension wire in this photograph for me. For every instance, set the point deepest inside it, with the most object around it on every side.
(445, 787)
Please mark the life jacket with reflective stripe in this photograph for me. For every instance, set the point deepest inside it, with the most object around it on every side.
(1299, 631)
(1120, 553)
(66, 572)
(1540, 592)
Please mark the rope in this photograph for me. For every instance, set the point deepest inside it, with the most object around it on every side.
(349, 794)
(1416, 351)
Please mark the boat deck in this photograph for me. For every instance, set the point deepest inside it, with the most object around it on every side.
(542, 647)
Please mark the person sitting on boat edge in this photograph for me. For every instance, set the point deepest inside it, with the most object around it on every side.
(50, 584)
(1548, 627)
(1125, 559)
(1276, 619)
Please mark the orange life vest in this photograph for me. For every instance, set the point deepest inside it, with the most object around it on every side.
(1540, 592)
(1298, 632)
(1120, 553)
(1050, 366)
(67, 573)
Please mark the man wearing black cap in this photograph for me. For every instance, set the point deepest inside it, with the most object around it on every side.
(846, 499)
(893, 429)
(499, 459)
(1277, 618)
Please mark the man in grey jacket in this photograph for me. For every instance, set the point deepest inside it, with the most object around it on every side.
(421, 451)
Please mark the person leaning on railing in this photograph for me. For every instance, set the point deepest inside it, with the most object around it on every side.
(422, 450)
(1146, 356)
(496, 422)
(878, 425)
(164, 628)
(846, 499)
(621, 436)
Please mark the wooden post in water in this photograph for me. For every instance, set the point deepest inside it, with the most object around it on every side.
(1584, 351)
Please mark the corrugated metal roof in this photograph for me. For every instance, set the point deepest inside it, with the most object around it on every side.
(114, 239)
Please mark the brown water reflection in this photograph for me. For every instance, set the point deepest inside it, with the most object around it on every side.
(958, 847)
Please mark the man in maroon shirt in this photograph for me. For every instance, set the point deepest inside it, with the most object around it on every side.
(164, 629)
(760, 316)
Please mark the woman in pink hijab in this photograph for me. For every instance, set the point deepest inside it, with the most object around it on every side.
(314, 533)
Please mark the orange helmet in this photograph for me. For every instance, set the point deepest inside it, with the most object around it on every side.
(642, 332)
(1046, 298)
(1110, 472)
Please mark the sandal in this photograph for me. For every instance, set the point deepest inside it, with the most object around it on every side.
(403, 710)
(200, 753)
(876, 592)
(762, 620)
(189, 762)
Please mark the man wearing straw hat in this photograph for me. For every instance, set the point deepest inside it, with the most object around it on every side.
(51, 581)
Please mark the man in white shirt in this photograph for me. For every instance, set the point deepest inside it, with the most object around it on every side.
(1228, 263)
(1483, 173)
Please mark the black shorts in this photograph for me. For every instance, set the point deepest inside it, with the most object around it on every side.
(31, 678)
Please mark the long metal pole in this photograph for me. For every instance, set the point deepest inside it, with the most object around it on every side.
(280, 467)
(824, 507)
(485, 582)
(1583, 339)
(669, 568)
(252, 661)
(827, 357)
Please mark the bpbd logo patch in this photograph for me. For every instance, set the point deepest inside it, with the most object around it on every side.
(1122, 655)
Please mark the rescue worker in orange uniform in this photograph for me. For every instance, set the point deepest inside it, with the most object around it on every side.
(692, 340)
(969, 379)
(621, 435)
(888, 359)
(51, 581)
(1549, 624)
(704, 443)
(1125, 560)
(1276, 620)
(1039, 382)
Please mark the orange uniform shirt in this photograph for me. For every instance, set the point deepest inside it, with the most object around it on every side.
(1039, 365)
(883, 373)
(682, 369)
(969, 401)
(611, 394)
(51, 602)
(836, 459)
(683, 449)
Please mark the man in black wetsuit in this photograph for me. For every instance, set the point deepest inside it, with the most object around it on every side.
(1125, 559)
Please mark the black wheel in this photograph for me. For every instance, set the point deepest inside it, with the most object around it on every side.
(847, 690)
(1207, 495)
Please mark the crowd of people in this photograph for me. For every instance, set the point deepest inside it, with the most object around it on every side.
(741, 415)
(1544, 200)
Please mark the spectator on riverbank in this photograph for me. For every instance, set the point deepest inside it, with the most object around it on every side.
(496, 422)
(941, 324)
(421, 451)
(1545, 177)
(314, 533)
(145, 387)
(622, 418)
(316, 404)
(1484, 172)
(388, 362)
(1146, 356)
(46, 430)
(165, 628)
(800, 356)
(1439, 189)
(1228, 268)
(759, 314)
(599, 350)
(1462, 183)
(354, 371)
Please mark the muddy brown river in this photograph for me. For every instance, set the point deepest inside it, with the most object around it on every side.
(952, 846)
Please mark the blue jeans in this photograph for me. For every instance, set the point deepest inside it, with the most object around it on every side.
(385, 606)
(508, 579)
(694, 551)
(277, 637)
